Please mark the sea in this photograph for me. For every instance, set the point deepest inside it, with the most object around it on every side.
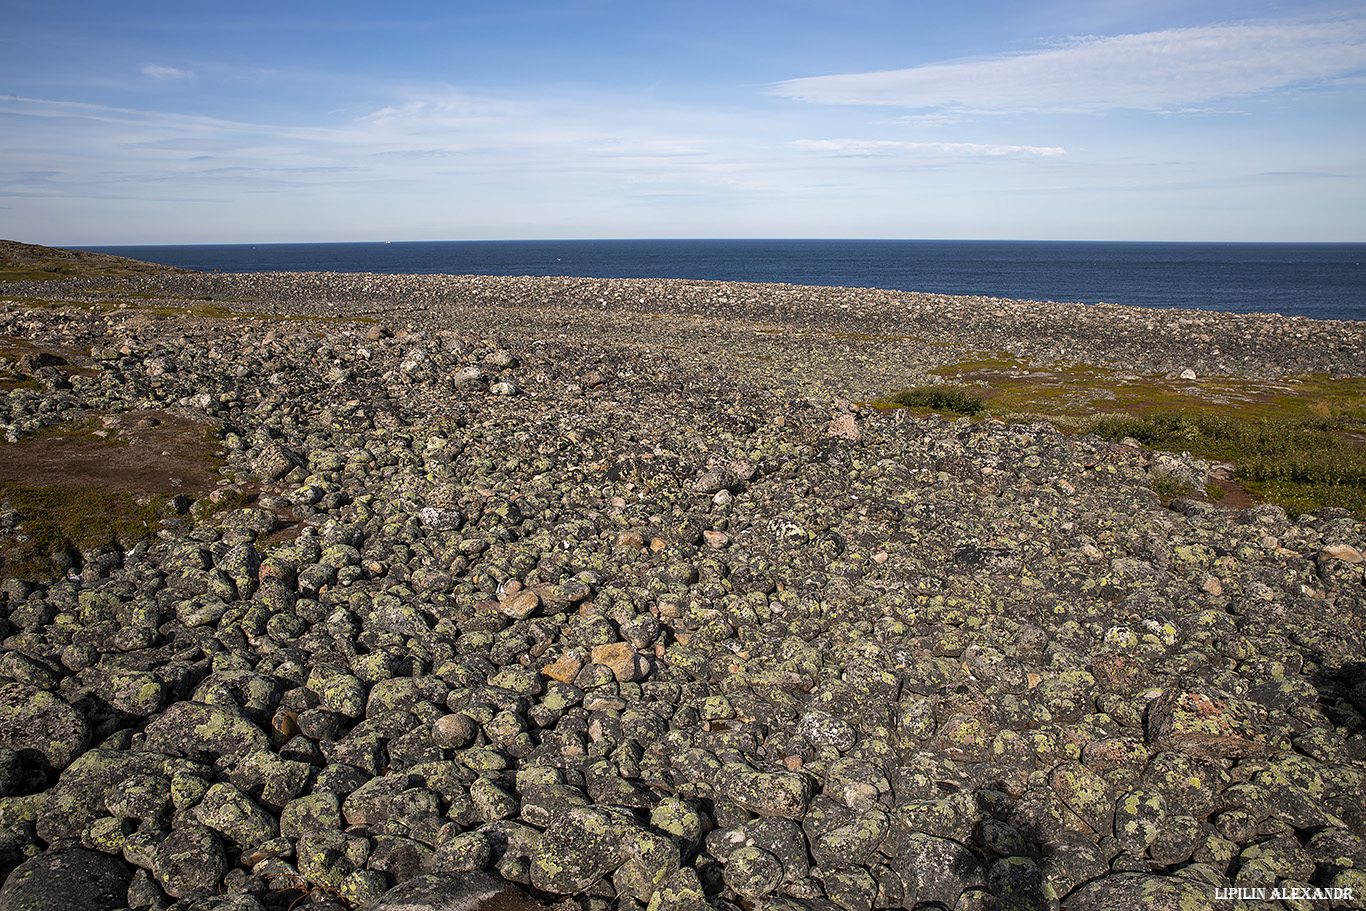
(1320, 281)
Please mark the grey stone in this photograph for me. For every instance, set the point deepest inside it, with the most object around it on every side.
(189, 861)
(61, 880)
(41, 727)
(455, 892)
(203, 732)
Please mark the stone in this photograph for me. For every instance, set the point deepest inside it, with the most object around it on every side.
(1120, 891)
(1206, 722)
(580, 847)
(785, 794)
(234, 815)
(621, 658)
(60, 880)
(204, 732)
(189, 861)
(716, 480)
(41, 727)
(275, 461)
(1086, 794)
(465, 890)
(440, 519)
(753, 872)
(936, 870)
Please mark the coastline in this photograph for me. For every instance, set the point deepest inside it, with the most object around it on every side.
(614, 592)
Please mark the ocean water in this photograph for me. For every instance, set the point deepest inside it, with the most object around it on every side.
(1321, 281)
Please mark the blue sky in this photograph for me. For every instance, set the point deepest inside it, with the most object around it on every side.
(161, 122)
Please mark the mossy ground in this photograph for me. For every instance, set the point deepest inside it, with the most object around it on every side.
(97, 481)
(951, 399)
(53, 524)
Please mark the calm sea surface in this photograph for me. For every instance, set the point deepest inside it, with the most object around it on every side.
(1323, 281)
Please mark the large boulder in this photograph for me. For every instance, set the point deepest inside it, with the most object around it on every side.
(41, 727)
(63, 880)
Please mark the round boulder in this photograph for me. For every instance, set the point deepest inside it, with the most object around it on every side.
(61, 880)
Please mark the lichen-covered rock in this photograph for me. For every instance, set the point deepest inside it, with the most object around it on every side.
(753, 872)
(854, 842)
(328, 858)
(580, 847)
(139, 797)
(342, 693)
(276, 461)
(189, 861)
(936, 870)
(682, 891)
(203, 732)
(234, 815)
(1206, 722)
(317, 812)
(785, 794)
(41, 726)
(825, 730)
(1086, 794)
(67, 879)
(779, 837)
(464, 890)
(1120, 891)
(650, 860)
(1138, 819)
(79, 796)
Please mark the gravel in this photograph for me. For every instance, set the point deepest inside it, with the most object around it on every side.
(604, 595)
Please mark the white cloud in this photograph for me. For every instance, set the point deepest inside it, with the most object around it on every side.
(159, 71)
(1162, 70)
(877, 148)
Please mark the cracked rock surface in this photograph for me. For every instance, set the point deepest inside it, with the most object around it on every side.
(529, 595)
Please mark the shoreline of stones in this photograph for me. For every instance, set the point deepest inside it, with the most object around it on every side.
(523, 598)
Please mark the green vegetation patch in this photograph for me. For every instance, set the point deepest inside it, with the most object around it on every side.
(948, 399)
(51, 525)
(1299, 442)
(1298, 463)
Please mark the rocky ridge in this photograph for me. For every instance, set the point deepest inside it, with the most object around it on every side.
(533, 588)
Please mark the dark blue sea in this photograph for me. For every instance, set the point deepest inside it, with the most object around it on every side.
(1322, 281)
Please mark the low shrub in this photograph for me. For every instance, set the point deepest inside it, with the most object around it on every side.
(1299, 464)
(951, 399)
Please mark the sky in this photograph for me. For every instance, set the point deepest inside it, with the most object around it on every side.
(260, 122)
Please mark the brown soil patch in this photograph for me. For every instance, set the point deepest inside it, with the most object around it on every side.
(1236, 496)
(154, 452)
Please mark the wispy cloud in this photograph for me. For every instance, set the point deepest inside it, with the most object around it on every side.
(880, 148)
(1154, 71)
(160, 71)
(440, 137)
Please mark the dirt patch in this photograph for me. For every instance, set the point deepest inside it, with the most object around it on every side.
(154, 452)
(104, 481)
(1236, 496)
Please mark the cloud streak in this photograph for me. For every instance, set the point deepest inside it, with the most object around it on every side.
(881, 148)
(1153, 71)
(160, 71)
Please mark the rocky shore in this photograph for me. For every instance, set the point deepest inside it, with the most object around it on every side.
(606, 595)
